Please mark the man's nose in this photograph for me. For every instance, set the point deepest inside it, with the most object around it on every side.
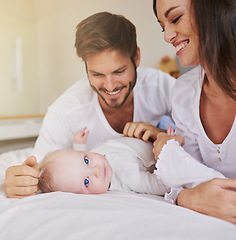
(109, 83)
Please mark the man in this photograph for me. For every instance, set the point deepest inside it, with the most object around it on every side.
(114, 93)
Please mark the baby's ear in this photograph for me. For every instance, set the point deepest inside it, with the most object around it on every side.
(40, 171)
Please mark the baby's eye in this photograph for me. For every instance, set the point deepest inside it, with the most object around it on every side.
(86, 182)
(86, 160)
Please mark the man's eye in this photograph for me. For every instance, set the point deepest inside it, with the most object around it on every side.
(86, 182)
(97, 75)
(121, 71)
(86, 160)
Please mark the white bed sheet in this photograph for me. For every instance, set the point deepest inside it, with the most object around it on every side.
(114, 215)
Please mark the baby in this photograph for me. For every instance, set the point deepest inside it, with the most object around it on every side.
(123, 164)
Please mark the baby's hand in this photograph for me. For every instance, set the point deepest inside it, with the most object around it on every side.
(170, 131)
(81, 136)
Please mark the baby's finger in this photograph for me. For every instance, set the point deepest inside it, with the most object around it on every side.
(86, 134)
(84, 129)
(170, 130)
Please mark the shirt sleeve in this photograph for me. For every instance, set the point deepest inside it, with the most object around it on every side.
(143, 181)
(130, 175)
(177, 169)
(53, 135)
(150, 183)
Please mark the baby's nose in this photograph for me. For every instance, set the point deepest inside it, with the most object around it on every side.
(96, 171)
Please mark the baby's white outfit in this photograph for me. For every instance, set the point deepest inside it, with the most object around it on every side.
(132, 162)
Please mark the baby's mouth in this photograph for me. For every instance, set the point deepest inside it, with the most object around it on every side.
(105, 172)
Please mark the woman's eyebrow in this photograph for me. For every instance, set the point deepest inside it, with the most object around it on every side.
(169, 10)
(167, 13)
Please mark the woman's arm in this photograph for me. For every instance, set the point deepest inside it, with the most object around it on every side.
(178, 169)
(207, 192)
(215, 198)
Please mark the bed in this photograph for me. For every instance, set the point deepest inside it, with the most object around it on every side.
(113, 215)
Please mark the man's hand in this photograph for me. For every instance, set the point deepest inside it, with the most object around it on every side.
(81, 136)
(21, 180)
(162, 139)
(141, 130)
(215, 198)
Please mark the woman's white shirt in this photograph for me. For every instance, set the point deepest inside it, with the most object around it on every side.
(217, 160)
(186, 100)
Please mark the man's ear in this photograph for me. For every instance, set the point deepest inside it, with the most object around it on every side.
(137, 58)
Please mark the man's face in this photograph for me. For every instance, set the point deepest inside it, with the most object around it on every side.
(113, 76)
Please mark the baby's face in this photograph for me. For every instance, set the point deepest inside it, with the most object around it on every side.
(82, 172)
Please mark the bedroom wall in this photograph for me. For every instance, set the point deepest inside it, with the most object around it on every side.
(58, 65)
(18, 92)
(49, 63)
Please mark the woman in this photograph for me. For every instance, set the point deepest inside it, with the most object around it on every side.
(203, 33)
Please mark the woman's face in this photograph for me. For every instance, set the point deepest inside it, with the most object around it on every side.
(177, 21)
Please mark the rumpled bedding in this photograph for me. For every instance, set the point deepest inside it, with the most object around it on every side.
(113, 215)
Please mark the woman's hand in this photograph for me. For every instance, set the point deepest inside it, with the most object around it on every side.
(141, 130)
(21, 180)
(215, 198)
(162, 139)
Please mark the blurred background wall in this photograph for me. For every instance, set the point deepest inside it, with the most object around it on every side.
(38, 59)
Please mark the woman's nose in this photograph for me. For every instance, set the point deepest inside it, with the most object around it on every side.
(170, 34)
